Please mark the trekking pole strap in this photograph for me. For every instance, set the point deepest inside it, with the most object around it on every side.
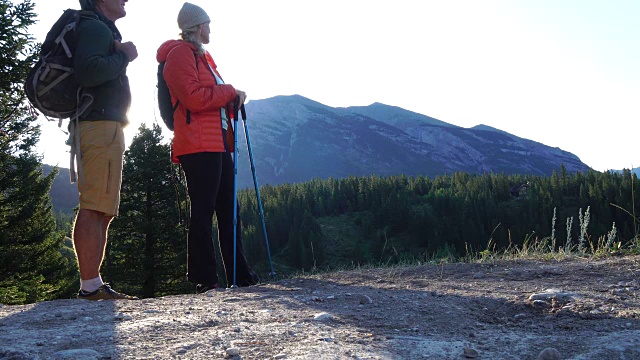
(244, 113)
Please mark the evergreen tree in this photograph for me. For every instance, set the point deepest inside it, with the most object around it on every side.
(32, 267)
(147, 247)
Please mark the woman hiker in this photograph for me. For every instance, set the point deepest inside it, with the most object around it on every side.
(202, 144)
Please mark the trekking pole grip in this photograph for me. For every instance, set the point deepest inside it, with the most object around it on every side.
(236, 102)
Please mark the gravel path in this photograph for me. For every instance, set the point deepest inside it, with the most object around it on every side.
(576, 309)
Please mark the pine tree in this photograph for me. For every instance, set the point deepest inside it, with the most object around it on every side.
(32, 267)
(146, 254)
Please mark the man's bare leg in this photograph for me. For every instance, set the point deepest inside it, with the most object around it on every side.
(89, 241)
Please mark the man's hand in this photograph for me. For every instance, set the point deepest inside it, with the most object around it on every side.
(127, 48)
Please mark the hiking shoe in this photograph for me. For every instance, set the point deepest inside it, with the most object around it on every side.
(105, 292)
(203, 288)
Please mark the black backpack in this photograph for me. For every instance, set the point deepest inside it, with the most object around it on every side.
(167, 109)
(51, 86)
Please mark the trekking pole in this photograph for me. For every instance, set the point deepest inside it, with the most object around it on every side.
(235, 187)
(255, 184)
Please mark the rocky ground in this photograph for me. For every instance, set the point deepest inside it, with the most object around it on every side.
(573, 308)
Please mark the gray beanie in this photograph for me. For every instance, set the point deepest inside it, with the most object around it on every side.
(191, 15)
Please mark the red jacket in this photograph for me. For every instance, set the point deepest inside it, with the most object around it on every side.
(195, 86)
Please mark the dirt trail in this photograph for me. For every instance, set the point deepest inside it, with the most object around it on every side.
(502, 310)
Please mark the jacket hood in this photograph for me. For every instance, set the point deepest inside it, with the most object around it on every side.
(169, 45)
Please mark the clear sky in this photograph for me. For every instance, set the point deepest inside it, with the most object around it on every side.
(564, 73)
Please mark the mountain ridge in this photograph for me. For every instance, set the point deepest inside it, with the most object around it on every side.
(296, 139)
(292, 132)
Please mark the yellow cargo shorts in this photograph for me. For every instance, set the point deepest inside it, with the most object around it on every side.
(102, 147)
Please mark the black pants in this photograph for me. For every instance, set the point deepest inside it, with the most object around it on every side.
(210, 186)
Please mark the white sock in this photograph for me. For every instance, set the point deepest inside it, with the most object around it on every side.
(91, 285)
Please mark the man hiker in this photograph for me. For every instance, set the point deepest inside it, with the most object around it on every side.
(100, 65)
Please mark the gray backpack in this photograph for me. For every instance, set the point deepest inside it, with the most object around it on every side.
(51, 86)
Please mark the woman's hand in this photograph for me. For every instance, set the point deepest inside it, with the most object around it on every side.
(241, 96)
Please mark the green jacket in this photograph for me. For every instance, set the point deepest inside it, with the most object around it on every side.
(101, 70)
